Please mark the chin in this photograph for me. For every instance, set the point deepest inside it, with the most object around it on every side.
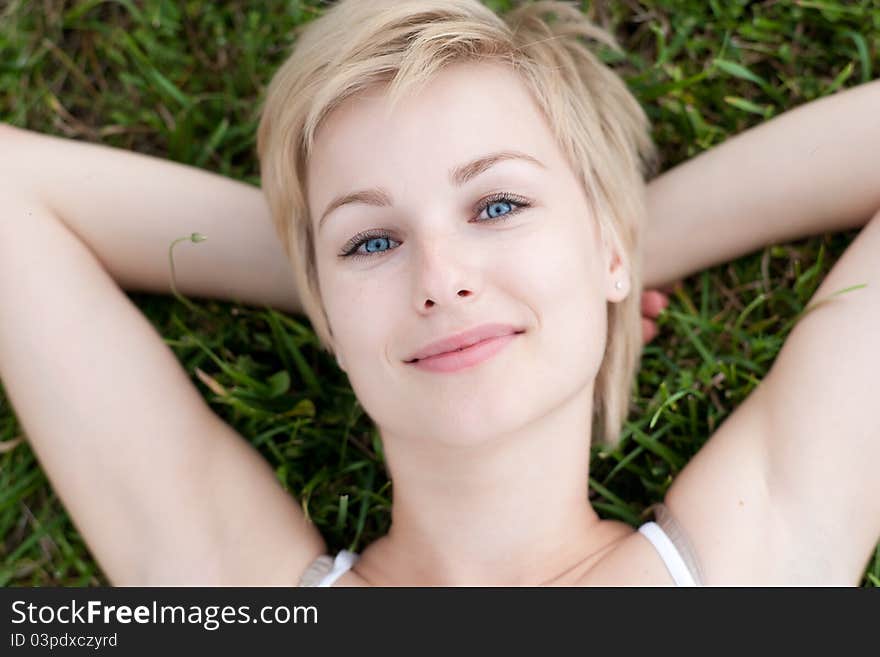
(472, 420)
(469, 409)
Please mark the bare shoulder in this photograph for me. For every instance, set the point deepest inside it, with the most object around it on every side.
(786, 491)
(629, 560)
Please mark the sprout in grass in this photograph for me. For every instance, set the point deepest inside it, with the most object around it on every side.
(195, 238)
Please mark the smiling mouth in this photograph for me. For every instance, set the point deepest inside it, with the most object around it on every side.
(460, 349)
(416, 360)
(444, 353)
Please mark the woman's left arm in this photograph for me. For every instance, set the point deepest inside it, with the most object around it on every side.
(808, 171)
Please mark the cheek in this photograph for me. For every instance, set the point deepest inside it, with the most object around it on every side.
(357, 311)
(560, 276)
(555, 269)
(362, 314)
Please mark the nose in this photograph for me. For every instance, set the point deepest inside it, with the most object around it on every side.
(442, 275)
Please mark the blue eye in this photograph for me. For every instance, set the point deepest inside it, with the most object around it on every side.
(493, 207)
(373, 241)
(496, 203)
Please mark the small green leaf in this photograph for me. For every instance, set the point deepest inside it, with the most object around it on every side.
(739, 71)
(303, 408)
(864, 57)
(343, 512)
(748, 106)
(840, 79)
(279, 383)
(169, 87)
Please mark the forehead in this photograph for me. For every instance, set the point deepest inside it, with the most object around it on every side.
(464, 111)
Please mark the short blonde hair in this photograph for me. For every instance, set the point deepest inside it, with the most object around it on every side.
(599, 125)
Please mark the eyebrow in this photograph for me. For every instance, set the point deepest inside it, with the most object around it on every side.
(458, 176)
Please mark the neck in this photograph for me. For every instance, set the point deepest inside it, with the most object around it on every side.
(511, 510)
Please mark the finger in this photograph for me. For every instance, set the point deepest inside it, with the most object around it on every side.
(653, 302)
(649, 330)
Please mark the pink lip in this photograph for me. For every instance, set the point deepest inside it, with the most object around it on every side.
(474, 346)
(452, 361)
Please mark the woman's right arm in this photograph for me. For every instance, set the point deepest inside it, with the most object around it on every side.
(129, 207)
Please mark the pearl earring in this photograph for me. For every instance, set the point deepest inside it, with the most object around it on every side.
(619, 285)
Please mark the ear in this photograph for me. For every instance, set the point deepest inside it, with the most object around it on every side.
(618, 283)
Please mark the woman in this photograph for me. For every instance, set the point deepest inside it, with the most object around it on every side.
(400, 233)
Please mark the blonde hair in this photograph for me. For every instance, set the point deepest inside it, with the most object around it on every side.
(599, 125)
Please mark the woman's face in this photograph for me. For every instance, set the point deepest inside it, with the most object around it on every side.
(437, 259)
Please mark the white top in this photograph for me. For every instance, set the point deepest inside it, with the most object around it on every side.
(341, 565)
(666, 548)
(673, 560)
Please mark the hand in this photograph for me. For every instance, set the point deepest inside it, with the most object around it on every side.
(653, 303)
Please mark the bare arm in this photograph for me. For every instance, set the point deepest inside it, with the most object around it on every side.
(140, 461)
(786, 491)
(128, 208)
(808, 171)
(765, 501)
(161, 489)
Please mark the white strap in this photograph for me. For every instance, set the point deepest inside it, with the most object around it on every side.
(341, 565)
(668, 552)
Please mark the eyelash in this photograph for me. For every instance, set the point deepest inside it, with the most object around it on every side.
(518, 203)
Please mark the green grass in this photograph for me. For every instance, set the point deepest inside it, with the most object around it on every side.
(183, 81)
